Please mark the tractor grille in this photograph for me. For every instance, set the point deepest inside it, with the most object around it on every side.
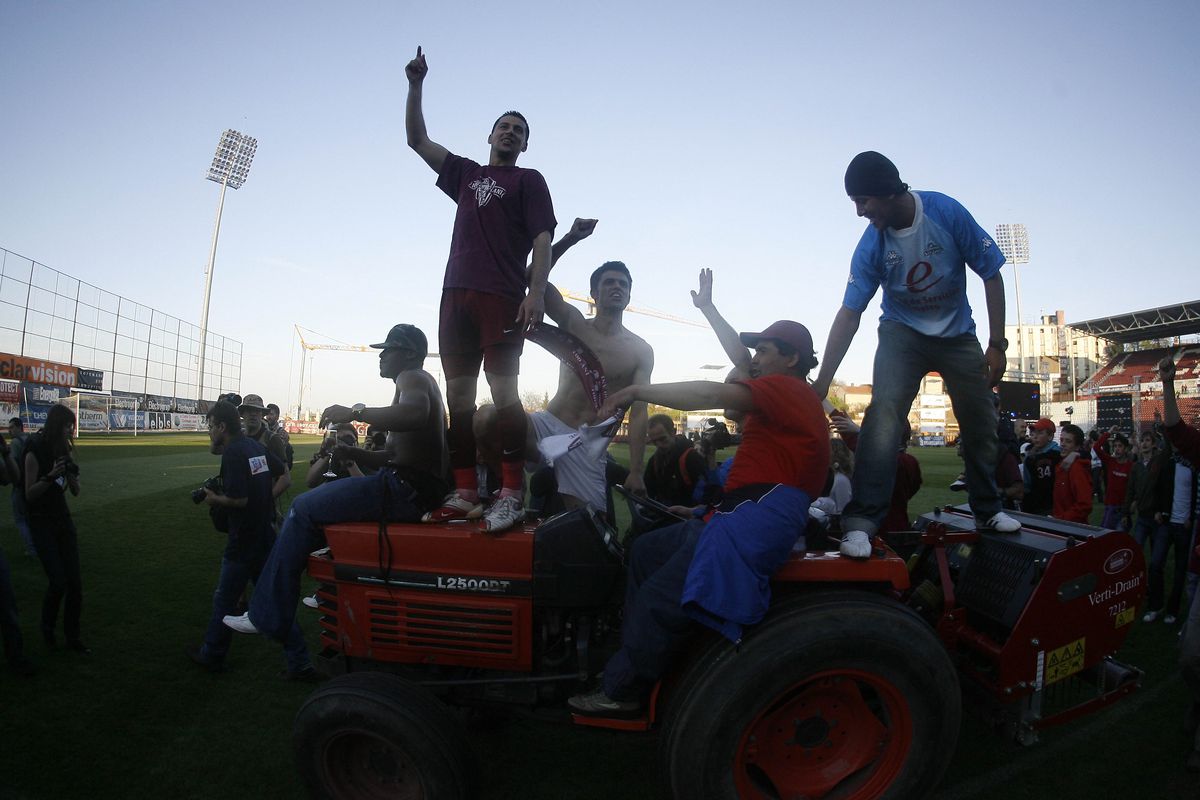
(443, 627)
(997, 573)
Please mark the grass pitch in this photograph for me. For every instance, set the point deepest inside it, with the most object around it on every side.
(136, 719)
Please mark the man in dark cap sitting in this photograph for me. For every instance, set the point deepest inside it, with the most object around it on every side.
(411, 480)
(918, 247)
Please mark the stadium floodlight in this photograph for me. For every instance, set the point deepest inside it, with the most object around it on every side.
(1013, 241)
(230, 167)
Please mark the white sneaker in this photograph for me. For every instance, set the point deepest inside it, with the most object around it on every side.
(241, 623)
(959, 485)
(856, 544)
(1002, 523)
(311, 601)
(503, 514)
(1169, 619)
(452, 508)
(1151, 616)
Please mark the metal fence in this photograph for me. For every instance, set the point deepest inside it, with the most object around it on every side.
(47, 314)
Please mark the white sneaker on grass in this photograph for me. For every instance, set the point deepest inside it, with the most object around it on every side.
(311, 601)
(240, 623)
(856, 544)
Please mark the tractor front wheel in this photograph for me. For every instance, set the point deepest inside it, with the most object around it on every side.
(369, 735)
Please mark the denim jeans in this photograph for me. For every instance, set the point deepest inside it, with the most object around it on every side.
(58, 550)
(230, 585)
(903, 358)
(365, 499)
(655, 622)
(1163, 537)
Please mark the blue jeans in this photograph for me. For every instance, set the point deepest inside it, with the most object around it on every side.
(904, 357)
(655, 622)
(230, 585)
(273, 606)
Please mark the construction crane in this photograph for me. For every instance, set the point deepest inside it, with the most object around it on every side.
(645, 312)
(309, 348)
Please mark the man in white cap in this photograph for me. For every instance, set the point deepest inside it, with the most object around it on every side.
(253, 423)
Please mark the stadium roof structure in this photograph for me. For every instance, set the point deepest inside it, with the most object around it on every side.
(1164, 322)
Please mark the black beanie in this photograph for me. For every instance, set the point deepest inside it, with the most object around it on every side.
(871, 174)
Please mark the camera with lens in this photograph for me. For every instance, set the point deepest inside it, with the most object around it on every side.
(714, 436)
(233, 398)
(71, 468)
(212, 484)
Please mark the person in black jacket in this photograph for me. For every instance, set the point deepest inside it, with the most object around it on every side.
(1148, 495)
(50, 472)
(675, 468)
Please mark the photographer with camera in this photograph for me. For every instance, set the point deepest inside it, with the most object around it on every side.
(326, 466)
(49, 473)
(244, 495)
(253, 412)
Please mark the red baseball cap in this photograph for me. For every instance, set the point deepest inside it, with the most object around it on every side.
(791, 333)
(1044, 424)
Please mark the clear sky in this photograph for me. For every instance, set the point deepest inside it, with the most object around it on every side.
(701, 134)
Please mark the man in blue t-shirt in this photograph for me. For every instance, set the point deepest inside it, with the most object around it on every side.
(488, 298)
(245, 508)
(917, 248)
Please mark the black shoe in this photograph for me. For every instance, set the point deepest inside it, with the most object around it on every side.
(23, 666)
(303, 675)
(198, 658)
(79, 647)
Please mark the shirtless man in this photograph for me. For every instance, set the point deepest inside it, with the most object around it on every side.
(411, 480)
(626, 358)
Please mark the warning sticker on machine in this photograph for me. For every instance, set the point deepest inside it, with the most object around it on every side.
(1065, 661)
(1125, 617)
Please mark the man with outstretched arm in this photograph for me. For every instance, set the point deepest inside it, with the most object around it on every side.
(626, 359)
(504, 213)
(718, 572)
(918, 247)
(410, 480)
(1186, 441)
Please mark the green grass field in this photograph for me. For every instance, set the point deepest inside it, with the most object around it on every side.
(136, 719)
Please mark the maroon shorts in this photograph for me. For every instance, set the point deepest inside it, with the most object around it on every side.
(478, 327)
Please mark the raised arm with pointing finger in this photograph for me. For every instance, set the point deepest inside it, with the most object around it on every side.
(414, 118)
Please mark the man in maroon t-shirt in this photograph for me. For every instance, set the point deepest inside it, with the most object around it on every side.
(717, 572)
(488, 298)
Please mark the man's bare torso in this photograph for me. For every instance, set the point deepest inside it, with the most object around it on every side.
(423, 449)
(620, 352)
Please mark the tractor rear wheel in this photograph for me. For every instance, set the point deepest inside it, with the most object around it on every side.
(836, 694)
(372, 735)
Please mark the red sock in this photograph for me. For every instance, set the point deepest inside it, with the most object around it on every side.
(465, 484)
(512, 479)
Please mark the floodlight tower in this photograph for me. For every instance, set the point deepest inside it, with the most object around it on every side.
(230, 166)
(1013, 241)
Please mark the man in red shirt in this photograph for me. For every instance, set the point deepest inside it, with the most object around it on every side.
(718, 572)
(1073, 478)
(1116, 476)
(488, 299)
